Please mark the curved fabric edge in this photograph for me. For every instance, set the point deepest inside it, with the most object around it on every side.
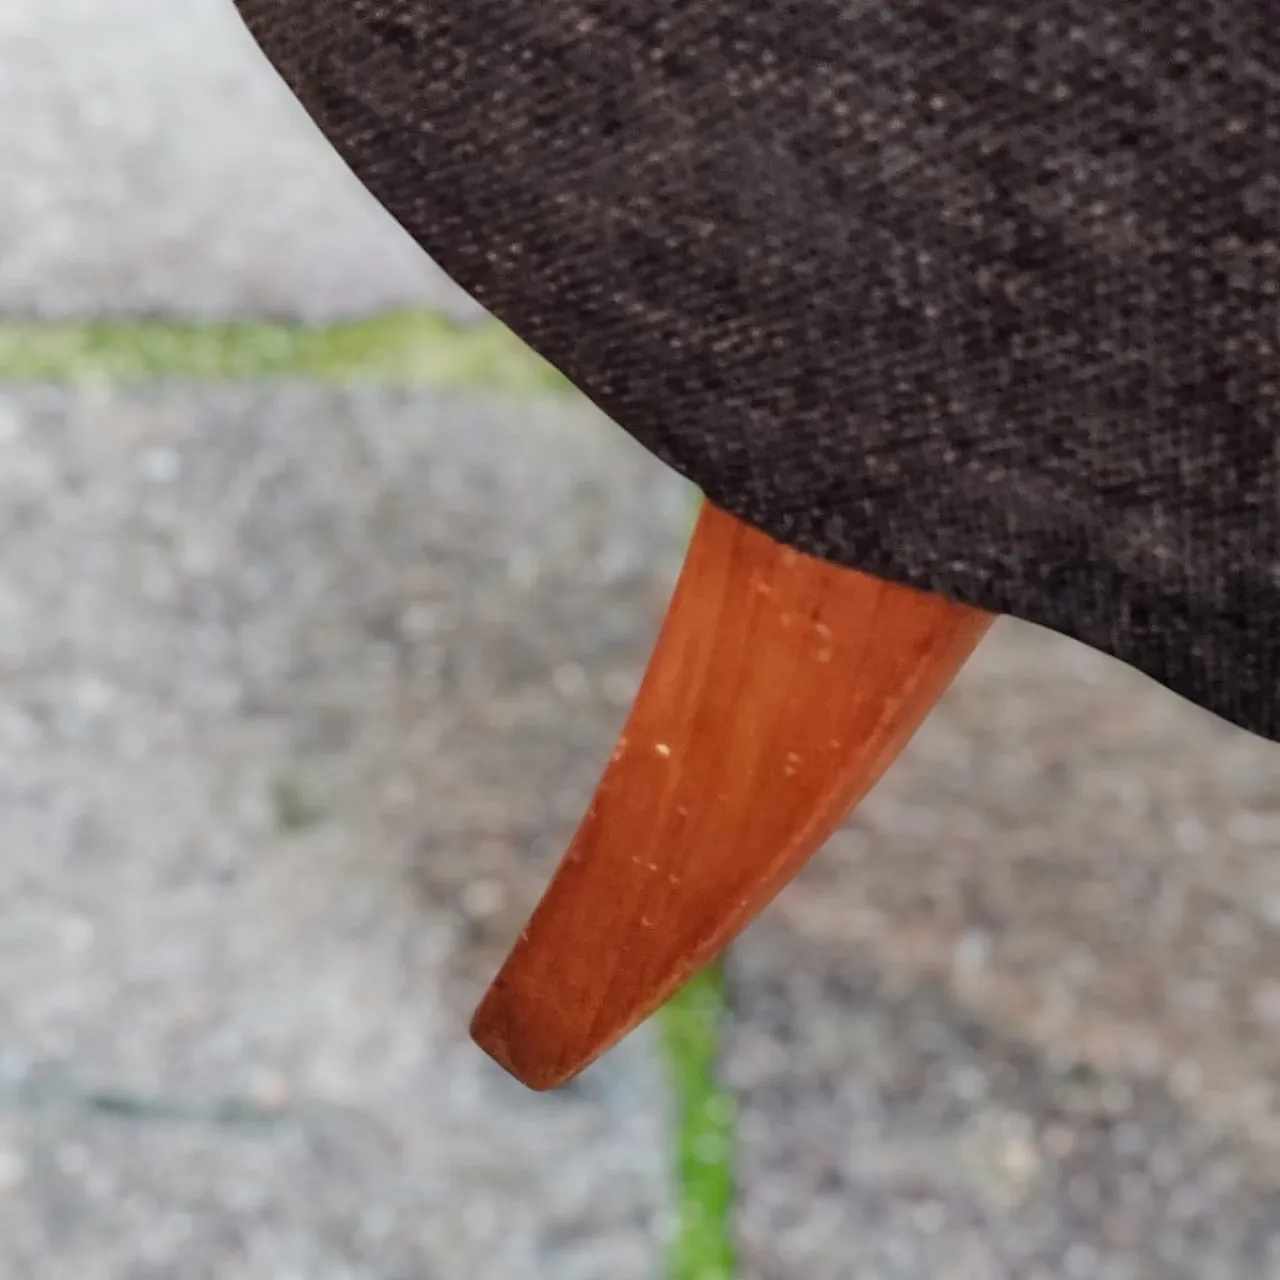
(1209, 657)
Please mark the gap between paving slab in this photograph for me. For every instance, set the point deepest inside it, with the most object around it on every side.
(414, 349)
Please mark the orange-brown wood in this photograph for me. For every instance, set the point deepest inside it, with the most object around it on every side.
(780, 689)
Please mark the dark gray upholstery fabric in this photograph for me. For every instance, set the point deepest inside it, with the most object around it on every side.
(981, 297)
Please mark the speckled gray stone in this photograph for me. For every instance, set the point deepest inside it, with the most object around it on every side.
(1021, 1020)
(302, 693)
(152, 162)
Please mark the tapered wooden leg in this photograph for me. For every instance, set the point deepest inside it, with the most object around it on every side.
(780, 689)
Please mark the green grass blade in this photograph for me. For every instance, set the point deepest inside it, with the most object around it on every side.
(411, 350)
(691, 1025)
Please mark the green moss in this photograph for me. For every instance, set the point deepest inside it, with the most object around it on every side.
(691, 1026)
(404, 350)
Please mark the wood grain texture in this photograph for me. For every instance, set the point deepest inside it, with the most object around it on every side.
(780, 689)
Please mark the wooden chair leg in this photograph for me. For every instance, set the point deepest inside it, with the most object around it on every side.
(780, 689)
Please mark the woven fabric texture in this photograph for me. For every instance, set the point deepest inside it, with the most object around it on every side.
(979, 297)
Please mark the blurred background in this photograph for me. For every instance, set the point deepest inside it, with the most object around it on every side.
(321, 602)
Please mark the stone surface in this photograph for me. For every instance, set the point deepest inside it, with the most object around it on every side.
(153, 163)
(302, 693)
(1022, 1018)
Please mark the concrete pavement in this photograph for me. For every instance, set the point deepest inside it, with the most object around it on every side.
(152, 163)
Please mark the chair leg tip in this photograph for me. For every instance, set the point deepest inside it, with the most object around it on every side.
(521, 1038)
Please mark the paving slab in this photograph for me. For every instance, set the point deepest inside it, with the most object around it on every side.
(151, 162)
(1022, 1018)
(303, 693)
